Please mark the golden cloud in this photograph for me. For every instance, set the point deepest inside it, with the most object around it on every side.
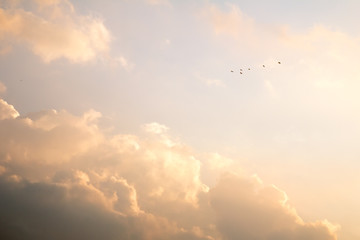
(62, 177)
(53, 30)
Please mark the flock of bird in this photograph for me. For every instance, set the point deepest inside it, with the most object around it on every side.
(241, 70)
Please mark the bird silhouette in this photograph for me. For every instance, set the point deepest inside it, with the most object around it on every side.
(263, 65)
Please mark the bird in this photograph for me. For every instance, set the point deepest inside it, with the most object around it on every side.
(255, 68)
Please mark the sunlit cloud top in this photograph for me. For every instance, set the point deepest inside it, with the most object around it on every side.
(53, 30)
(132, 186)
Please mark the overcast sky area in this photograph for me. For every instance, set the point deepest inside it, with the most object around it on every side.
(160, 119)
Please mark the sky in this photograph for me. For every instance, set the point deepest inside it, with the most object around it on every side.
(131, 119)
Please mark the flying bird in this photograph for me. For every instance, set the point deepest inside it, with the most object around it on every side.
(263, 65)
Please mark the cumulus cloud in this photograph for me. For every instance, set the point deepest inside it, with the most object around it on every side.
(62, 177)
(73, 210)
(7, 111)
(52, 30)
(248, 209)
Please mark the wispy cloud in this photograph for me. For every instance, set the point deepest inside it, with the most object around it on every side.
(158, 2)
(2, 88)
(321, 56)
(211, 82)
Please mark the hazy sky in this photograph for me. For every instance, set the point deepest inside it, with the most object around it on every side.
(131, 120)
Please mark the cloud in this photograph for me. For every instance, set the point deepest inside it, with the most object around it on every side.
(214, 82)
(323, 57)
(7, 111)
(167, 41)
(155, 128)
(318, 75)
(247, 209)
(73, 210)
(5, 50)
(62, 177)
(53, 30)
(2, 88)
(233, 22)
(125, 63)
(211, 82)
(158, 2)
(270, 88)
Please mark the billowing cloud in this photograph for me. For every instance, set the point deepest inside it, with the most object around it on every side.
(248, 209)
(62, 177)
(71, 210)
(52, 30)
(7, 111)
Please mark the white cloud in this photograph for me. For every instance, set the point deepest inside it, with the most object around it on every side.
(62, 170)
(53, 30)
